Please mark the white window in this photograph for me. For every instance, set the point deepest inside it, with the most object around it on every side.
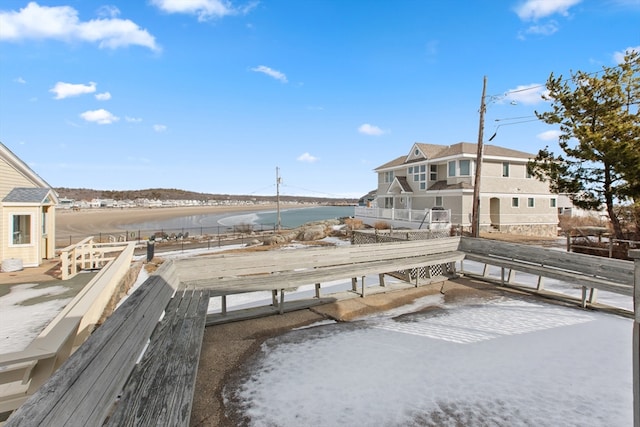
(505, 169)
(21, 230)
(433, 172)
(515, 202)
(452, 168)
(388, 176)
(465, 167)
(419, 175)
(438, 200)
(531, 202)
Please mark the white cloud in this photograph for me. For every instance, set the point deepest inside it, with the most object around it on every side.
(618, 57)
(531, 10)
(66, 90)
(550, 135)
(101, 117)
(307, 158)
(62, 23)
(20, 80)
(105, 96)
(543, 30)
(204, 9)
(132, 119)
(271, 73)
(526, 94)
(159, 128)
(368, 129)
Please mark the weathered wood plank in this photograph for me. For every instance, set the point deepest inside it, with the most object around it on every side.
(307, 277)
(70, 397)
(614, 270)
(554, 273)
(237, 264)
(160, 389)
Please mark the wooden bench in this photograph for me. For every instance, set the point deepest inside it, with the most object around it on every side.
(278, 271)
(102, 379)
(587, 271)
(139, 367)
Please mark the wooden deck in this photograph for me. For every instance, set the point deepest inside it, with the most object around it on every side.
(139, 367)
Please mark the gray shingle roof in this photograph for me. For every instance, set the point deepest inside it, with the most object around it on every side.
(27, 195)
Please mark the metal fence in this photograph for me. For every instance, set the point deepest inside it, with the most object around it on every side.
(184, 237)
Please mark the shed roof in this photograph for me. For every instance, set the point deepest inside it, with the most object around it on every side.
(29, 195)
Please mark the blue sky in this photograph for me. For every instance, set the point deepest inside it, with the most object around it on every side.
(213, 96)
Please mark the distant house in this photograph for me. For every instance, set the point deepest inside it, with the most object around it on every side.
(440, 178)
(27, 213)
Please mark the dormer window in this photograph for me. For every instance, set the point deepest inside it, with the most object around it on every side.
(417, 152)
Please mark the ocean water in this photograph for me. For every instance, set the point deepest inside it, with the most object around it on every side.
(289, 218)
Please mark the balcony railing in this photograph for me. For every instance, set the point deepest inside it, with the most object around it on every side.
(427, 216)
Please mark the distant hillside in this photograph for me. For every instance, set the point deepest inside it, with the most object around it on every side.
(176, 194)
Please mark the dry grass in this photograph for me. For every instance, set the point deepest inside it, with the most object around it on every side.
(381, 225)
(568, 223)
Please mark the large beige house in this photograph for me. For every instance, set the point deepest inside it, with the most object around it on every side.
(431, 179)
(27, 213)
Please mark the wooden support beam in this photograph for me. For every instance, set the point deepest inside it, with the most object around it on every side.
(281, 301)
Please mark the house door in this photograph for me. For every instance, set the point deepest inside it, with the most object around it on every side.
(44, 234)
(494, 211)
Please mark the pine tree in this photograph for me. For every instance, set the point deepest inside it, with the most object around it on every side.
(600, 137)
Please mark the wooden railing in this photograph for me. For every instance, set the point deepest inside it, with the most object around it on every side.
(425, 217)
(87, 255)
(22, 372)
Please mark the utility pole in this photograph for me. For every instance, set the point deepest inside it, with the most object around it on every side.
(475, 216)
(278, 198)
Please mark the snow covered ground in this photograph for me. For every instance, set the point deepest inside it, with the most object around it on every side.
(501, 362)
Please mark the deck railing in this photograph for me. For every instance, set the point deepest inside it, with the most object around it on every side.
(427, 216)
(88, 255)
(22, 372)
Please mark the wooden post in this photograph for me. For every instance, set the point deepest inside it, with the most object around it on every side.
(317, 290)
(281, 301)
(223, 308)
(635, 255)
(362, 286)
(475, 210)
(274, 297)
(354, 284)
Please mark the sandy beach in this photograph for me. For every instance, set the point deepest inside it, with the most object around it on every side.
(87, 222)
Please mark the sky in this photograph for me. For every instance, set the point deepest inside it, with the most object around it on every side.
(220, 96)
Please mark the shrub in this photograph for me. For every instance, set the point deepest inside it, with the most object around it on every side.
(381, 225)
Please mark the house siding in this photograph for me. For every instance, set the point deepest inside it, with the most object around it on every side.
(16, 174)
(496, 193)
